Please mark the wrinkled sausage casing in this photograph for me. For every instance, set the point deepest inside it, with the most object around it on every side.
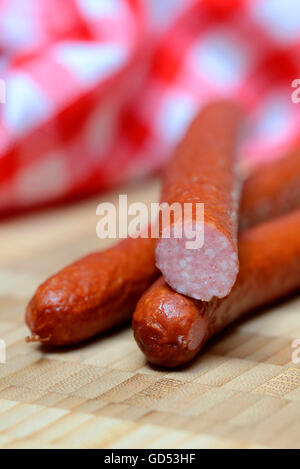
(171, 328)
(203, 171)
(92, 295)
(101, 290)
(272, 190)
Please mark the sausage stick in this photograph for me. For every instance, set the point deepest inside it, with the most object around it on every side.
(92, 295)
(84, 298)
(272, 190)
(203, 170)
(171, 328)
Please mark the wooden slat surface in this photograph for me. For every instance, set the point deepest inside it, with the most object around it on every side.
(242, 392)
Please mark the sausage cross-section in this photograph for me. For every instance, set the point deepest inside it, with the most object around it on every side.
(101, 290)
(171, 328)
(203, 171)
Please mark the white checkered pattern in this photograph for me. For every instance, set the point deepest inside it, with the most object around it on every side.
(98, 92)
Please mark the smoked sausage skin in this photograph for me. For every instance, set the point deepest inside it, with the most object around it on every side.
(171, 328)
(84, 298)
(271, 191)
(203, 170)
(92, 295)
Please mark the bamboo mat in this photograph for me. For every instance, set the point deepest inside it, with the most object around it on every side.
(242, 392)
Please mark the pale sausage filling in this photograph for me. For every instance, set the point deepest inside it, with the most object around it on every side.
(200, 273)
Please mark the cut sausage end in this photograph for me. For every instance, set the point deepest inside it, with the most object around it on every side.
(200, 273)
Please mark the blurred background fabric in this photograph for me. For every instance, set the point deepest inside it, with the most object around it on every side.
(98, 92)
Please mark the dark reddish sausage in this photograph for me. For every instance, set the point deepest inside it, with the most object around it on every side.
(92, 295)
(171, 328)
(203, 170)
(272, 190)
(101, 290)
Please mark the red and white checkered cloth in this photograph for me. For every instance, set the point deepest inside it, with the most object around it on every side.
(98, 92)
